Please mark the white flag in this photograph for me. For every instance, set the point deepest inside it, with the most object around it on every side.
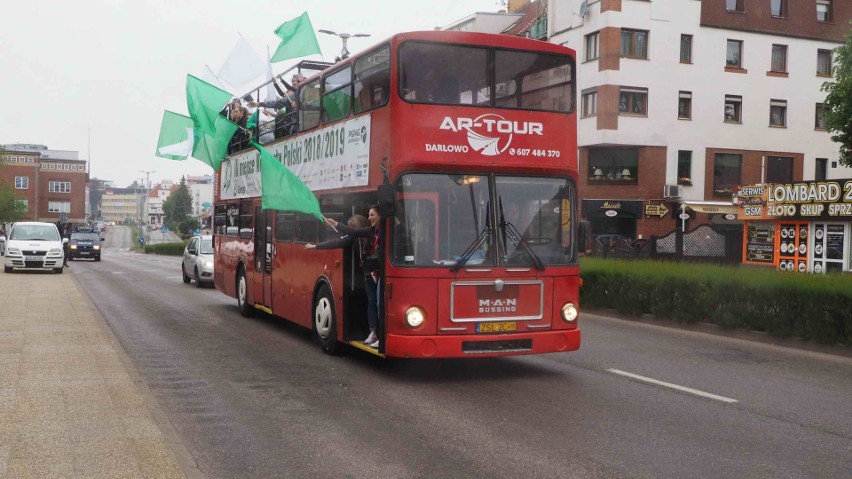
(242, 66)
(183, 148)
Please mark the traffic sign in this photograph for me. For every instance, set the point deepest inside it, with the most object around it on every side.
(656, 210)
(164, 229)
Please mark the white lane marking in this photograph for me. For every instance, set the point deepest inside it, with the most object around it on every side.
(673, 386)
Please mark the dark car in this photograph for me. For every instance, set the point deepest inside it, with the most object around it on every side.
(85, 245)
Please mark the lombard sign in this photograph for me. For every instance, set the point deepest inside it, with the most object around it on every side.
(334, 157)
(802, 200)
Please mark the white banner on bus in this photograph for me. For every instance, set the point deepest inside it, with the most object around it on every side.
(333, 157)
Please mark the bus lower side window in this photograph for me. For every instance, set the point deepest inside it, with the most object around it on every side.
(233, 224)
(308, 229)
(246, 220)
(285, 226)
(220, 219)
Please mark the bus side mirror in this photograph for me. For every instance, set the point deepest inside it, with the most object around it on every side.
(385, 195)
(584, 236)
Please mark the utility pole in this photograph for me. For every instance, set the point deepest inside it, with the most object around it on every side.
(147, 190)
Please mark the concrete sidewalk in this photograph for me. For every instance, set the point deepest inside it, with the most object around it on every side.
(71, 402)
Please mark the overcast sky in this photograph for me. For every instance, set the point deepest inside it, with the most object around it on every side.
(77, 73)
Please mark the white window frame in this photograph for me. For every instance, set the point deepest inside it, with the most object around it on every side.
(58, 206)
(827, 13)
(59, 187)
(26, 204)
(590, 103)
(593, 46)
(22, 182)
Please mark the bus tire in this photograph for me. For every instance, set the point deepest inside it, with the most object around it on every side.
(325, 321)
(246, 309)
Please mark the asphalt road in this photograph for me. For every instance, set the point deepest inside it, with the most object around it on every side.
(257, 398)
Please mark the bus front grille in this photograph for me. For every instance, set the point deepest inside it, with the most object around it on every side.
(502, 346)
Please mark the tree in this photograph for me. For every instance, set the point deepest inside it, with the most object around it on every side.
(178, 206)
(837, 107)
(11, 207)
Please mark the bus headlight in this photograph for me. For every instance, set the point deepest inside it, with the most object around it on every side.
(414, 317)
(569, 312)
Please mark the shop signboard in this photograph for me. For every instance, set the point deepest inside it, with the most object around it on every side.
(805, 200)
(760, 242)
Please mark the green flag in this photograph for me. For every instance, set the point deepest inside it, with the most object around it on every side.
(281, 189)
(212, 131)
(176, 137)
(252, 121)
(297, 39)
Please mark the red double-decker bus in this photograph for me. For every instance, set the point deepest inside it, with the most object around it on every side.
(467, 143)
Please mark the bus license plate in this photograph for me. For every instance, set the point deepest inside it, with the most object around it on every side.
(502, 327)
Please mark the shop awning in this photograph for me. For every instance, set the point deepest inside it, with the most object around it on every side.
(711, 207)
(612, 208)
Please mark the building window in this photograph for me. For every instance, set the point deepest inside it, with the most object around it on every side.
(22, 182)
(778, 8)
(592, 45)
(779, 169)
(820, 169)
(733, 109)
(634, 43)
(734, 5)
(684, 167)
(824, 10)
(22, 205)
(59, 206)
(51, 166)
(590, 103)
(778, 113)
(613, 165)
(686, 48)
(59, 187)
(819, 121)
(734, 57)
(726, 173)
(824, 63)
(779, 58)
(633, 101)
(684, 105)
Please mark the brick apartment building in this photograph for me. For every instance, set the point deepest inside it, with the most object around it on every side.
(50, 183)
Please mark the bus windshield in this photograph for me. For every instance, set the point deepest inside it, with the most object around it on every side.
(482, 220)
(463, 75)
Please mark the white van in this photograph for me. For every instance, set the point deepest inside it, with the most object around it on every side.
(33, 245)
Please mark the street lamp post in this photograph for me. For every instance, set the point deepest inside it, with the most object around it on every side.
(147, 190)
(344, 52)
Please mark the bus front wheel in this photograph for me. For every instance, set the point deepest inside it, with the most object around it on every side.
(325, 321)
(242, 294)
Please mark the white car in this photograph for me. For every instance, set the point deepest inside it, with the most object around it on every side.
(34, 245)
(198, 260)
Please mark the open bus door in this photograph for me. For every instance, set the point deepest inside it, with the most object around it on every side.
(264, 252)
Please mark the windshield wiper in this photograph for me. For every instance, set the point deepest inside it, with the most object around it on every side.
(477, 243)
(518, 240)
(473, 248)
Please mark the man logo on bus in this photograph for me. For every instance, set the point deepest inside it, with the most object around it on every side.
(491, 134)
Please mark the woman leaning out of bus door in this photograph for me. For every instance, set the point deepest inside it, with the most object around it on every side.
(369, 235)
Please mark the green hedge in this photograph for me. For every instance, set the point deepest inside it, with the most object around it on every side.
(817, 307)
(169, 249)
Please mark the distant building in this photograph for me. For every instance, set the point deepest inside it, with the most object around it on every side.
(50, 183)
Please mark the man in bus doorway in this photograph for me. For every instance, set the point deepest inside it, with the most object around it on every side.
(371, 262)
